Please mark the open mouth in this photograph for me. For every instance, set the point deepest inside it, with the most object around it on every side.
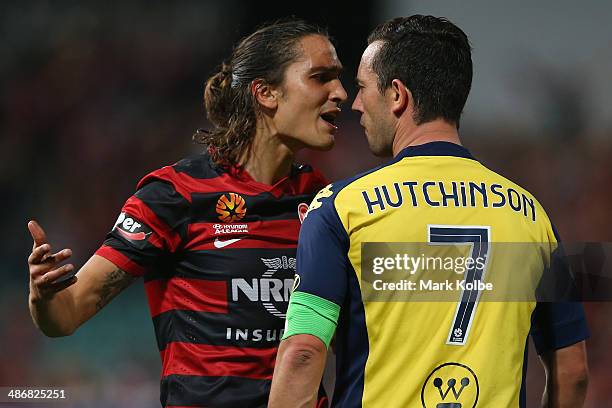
(330, 118)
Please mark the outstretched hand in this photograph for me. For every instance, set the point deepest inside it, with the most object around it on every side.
(46, 278)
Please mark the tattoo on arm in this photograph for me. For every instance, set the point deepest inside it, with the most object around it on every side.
(114, 283)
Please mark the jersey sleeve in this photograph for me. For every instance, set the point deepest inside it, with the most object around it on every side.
(322, 271)
(558, 320)
(150, 226)
(556, 325)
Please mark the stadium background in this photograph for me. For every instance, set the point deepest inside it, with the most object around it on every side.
(96, 95)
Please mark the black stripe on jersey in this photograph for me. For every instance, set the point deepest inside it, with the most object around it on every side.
(259, 207)
(149, 257)
(168, 205)
(245, 325)
(214, 392)
(198, 166)
(222, 264)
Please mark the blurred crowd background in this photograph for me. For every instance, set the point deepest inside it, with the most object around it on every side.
(95, 95)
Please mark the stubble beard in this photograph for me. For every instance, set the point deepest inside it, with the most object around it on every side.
(380, 140)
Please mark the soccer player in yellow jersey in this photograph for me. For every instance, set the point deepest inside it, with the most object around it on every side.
(414, 79)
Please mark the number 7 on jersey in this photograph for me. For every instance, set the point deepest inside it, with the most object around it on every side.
(478, 237)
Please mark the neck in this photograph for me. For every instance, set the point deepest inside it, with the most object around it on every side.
(409, 134)
(268, 160)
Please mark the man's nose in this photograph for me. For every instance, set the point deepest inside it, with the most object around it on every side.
(339, 94)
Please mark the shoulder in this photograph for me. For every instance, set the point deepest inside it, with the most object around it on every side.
(333, 195)
(527, 198)
(197, 166)
(324, 206)
(184, 176)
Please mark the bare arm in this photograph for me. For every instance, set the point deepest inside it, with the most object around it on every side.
(566, 377)
(299, 367)
(58, 309)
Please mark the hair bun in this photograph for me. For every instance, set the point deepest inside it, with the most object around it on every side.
(226, 69)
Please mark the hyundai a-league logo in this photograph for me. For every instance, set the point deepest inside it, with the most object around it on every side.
(450, 385)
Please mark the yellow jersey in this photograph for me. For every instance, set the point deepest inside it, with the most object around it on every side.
(405, 352)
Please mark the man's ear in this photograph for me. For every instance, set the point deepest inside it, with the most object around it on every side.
(399, 97)
(264, 94)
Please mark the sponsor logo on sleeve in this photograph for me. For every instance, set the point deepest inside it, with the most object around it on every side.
(132, 229)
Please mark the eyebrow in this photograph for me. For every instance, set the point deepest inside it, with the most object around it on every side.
(327, 68)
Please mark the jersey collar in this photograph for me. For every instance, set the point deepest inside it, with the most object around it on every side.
(435, 149)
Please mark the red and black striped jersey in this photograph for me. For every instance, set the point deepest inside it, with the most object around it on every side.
(216, 250)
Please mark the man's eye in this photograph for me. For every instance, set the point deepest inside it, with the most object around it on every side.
(324, 77)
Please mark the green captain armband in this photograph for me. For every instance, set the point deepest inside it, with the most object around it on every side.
(311, 314)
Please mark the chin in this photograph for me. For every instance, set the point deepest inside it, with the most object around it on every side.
(327, 144)
(322, 143)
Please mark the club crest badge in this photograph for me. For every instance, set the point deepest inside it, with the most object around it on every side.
(302, 210)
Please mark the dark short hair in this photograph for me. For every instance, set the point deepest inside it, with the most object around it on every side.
(432, 57)
(230, 105)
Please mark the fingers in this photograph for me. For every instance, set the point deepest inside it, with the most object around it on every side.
(58, 257)
(51, 277)
(39, 253)
(41, 261)
(56, 287)
(38, 234)
(45, 277)
(53, 281)
(49, 290)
